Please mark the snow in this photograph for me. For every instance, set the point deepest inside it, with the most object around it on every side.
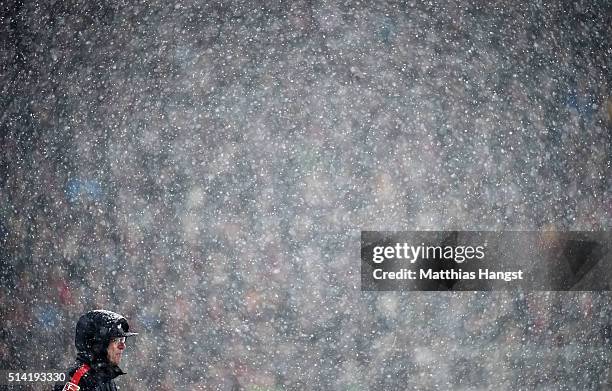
(205, 168)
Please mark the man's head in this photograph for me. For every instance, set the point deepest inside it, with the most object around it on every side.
(96, 336)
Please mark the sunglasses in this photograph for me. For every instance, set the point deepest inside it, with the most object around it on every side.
(118, 340)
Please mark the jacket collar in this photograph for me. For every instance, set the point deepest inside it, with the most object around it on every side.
(106, 371)
(103, 370)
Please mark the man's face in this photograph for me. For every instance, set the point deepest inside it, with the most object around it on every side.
(115, 349)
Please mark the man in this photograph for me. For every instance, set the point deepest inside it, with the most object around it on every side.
(100, 340)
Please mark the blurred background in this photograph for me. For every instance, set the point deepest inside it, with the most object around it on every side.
(205, 169)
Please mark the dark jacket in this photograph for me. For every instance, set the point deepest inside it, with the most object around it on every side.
(94, 332)
(98, 378)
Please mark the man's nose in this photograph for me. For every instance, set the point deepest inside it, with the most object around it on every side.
(121, 345)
